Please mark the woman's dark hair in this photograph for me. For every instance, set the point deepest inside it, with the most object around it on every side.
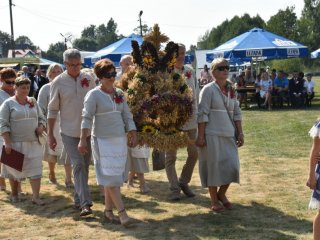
(7, 73)
(102, 67)
(22, 81)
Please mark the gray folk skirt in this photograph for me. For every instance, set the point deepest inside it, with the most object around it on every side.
(219, 161)
(137, 165)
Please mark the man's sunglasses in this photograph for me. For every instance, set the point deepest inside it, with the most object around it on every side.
(222, 68)
(110, 74)
(9, 82)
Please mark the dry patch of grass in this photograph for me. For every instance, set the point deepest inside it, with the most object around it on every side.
(270, 203)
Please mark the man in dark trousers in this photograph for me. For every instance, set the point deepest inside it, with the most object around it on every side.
(33, 85)
(40, 80)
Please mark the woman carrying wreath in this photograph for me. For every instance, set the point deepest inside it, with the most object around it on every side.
(219, 116)
(21, 121)
(106, 112)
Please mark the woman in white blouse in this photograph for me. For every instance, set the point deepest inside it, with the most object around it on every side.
(21, 121)
(59, 155)
(106, 112)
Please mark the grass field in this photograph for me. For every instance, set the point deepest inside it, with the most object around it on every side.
(270, 203)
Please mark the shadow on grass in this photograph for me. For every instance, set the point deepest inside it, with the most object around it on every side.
(243, 222)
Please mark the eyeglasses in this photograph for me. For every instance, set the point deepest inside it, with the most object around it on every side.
(110, 74)
(10, 82)
(74, 65)
(222, 68)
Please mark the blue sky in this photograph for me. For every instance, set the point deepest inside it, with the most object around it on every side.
(181, 20)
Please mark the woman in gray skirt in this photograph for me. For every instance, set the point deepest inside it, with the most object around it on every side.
(106, 112)
(219, 118)
(59, 155)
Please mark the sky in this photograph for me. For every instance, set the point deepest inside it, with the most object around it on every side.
(185, 21)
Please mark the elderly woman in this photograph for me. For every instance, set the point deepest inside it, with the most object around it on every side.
(21, 121)
(105, 108)
(59, 155)
(7, 76)
(219, 118)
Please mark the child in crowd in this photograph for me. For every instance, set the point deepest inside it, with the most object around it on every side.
(138, 164)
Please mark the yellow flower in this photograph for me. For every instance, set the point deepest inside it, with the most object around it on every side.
(172, 62)
(148, 61)
(149, 129)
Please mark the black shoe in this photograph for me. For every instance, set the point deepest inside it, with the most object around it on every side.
(186, 190)
(86, 210)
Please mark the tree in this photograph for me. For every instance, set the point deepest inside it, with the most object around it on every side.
(89, 32)
(284, 23)
(24, 42)
(5, 44)
(55, 52)
(85, 44)
(107, 34)
(229, 29)
(308, 24)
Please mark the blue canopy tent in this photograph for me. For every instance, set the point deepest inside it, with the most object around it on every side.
(114, 51)
(188, 59)
(258, 44)
(315, 54)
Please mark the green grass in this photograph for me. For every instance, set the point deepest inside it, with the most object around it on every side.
(270, 203)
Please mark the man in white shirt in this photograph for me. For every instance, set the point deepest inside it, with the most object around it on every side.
(67, 93)
(190, 127)
(309, 86)
(125, 62)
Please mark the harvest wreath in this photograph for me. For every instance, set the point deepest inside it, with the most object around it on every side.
(158, 97)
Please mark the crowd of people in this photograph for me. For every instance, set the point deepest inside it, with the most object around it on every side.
(271, 88)
(84, 117)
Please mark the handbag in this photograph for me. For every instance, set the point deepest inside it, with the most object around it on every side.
(158, 160)
(236, 134)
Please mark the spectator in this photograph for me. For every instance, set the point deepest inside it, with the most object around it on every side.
(281, 85)
(309, 88)
(33, 85)
(40, 81)
(205, 76)
(242, 95)
(296, 85)
(266, 89)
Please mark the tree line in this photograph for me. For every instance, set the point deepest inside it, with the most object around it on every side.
(285, 23)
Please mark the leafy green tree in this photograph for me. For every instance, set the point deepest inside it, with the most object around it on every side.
(229, 29)
(5, 44)
(85, 44)
(107, 34)
(284, 23)
(55, 52)
(308, 25)
(287, 65)
(25, 42)
(89, 32)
